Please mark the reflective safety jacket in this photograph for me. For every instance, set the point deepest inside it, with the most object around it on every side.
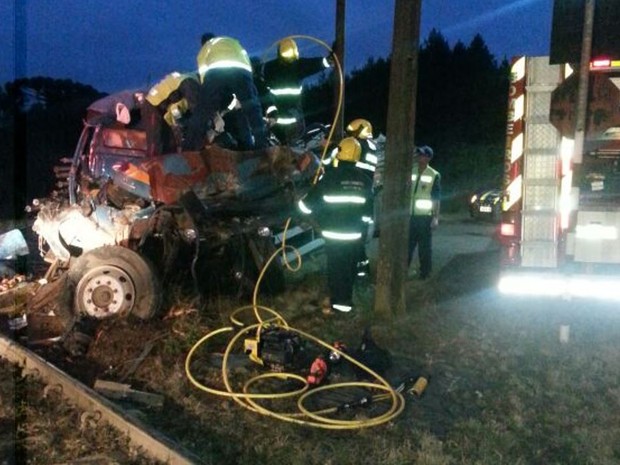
(174, 95)
(284, 82)
(222, 52)
(425, 191)
(368, 159)
(341, 202)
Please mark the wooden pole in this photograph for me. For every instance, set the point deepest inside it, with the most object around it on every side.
(393, 242)
(339, 51)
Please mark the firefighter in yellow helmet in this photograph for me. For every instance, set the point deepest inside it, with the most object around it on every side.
(283, 78)
(167, 107)
(361, 129)
(225, 73)
(341, 204)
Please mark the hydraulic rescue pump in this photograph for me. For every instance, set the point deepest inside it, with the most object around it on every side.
(275, 348)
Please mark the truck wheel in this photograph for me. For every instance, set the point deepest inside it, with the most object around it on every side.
(114, 281)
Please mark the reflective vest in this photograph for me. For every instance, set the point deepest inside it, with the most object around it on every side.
(421, 190)
(222, 52)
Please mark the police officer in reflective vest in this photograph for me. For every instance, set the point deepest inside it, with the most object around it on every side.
(225, 73)
(164, 105)
(425, 198)
(340, 202)
(284, 77)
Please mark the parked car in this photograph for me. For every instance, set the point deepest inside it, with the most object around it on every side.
(486, 204)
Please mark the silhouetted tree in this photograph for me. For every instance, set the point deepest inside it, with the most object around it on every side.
(461, 105)
(42, 117)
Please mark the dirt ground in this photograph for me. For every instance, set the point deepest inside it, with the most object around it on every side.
(497, 374)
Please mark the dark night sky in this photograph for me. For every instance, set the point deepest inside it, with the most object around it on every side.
(118, 44)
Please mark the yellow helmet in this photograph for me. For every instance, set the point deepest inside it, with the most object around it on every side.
(288, 51)
(162, 90)
(360, 128)
(349, 149)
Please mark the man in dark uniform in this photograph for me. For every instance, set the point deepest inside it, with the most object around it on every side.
(283, 78)
(340, 202)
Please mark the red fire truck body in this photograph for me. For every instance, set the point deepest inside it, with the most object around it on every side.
(560, 228)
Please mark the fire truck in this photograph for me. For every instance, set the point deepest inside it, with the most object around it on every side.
(561, 207)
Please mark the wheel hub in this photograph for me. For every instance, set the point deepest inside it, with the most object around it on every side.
(105, 291)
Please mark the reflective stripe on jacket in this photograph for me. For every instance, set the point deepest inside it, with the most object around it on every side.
(424, 190)
(340, 202)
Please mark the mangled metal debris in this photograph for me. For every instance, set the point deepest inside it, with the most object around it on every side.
(128, 223)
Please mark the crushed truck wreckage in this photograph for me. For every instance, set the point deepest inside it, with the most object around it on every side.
(125, 223)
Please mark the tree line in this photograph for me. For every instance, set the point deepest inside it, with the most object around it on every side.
(460, 110)
(461, 113)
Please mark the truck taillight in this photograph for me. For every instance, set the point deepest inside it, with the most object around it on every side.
(507, 229)
(603, 64)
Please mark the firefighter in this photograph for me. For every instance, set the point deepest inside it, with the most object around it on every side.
(225, 74)
(283, 78)
(425, 199)
(340, 203)
(165, 104)
(361, 129)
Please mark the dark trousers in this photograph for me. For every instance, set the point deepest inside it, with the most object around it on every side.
(420, 236)
(342, 259)
(246, 125)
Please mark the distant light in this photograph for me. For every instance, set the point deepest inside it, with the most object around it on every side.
(600, 63)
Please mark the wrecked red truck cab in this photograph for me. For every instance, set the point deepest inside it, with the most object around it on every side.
(128, 223)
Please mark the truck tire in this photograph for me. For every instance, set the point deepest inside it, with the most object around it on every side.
(114, 281)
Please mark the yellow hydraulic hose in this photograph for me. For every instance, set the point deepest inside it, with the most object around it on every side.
(266, 316)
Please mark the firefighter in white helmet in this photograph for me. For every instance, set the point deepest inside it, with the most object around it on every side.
(424, 208)
(340, 203)
(283, 78)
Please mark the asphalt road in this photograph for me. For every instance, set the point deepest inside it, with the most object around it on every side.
(457, 235)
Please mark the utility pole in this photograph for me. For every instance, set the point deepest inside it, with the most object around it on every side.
(393, 242)
(584, 72)
(339, 51)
